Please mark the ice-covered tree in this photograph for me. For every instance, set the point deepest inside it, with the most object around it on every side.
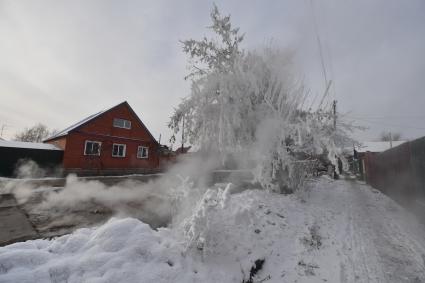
(252, 102)
(214, 54)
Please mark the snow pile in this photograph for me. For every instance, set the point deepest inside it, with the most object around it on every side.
(333, 232)
(122, 250)
(127, 250)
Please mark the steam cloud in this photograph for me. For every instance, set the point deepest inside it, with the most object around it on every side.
(163, 201)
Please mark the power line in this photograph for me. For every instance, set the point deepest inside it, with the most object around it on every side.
(331, 71)
(328, 83)
(385, 124)
(389, 117)
(319, 43)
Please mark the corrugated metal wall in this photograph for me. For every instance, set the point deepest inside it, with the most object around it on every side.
(9, 157)
(400, 171)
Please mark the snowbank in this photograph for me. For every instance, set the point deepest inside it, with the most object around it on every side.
(122, 250)
(333, 232)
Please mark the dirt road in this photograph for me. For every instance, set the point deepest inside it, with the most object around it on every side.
(378, 240)
(14, 225)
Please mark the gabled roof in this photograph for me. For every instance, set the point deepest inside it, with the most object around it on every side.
(65, 131)
(90, 118)
(30, 145)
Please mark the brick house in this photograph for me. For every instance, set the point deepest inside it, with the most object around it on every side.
(113, 141)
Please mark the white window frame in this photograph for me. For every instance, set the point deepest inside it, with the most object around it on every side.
(90, 154)
(147, 152)
(128, 122)
(124, 150)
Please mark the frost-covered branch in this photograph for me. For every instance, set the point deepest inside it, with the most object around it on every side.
(209, 55)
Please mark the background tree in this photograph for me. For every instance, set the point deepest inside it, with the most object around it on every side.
(389, 136)
(37, 133)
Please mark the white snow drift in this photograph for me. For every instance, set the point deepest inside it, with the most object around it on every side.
(333, 232)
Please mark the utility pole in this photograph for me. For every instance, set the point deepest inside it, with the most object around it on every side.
(182, 134)
(2, 128)
(334, 113)
(391, 140)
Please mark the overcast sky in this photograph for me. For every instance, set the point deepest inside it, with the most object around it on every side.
(61, 61)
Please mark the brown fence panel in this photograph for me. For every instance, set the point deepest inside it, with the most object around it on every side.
(400, 171)
(418, 165)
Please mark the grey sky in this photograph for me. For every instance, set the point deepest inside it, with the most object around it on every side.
(64, 60)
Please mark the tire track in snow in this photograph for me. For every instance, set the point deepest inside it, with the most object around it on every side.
(364, 250)
(399, 255)
(378, 249)
(359, 253)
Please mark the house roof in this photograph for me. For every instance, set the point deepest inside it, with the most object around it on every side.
(378, 146)
(30, 145)
(90, 118)
(65, 131)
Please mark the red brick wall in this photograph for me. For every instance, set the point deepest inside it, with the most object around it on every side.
(103, 125)
(101, 129)
(60, 142)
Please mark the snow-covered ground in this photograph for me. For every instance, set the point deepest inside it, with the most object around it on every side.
(336, 231)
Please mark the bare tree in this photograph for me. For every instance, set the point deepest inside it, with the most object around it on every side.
(37, 133)
(389, 136)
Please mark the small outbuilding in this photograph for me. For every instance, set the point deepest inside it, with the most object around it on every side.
(14, 153)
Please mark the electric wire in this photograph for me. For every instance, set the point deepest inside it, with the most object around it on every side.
(385, 124)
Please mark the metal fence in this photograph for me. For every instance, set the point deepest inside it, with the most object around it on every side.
(399, 171)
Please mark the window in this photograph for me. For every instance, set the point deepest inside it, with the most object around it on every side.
(142, 152)
(121, 123)
(118, 150)
(92, 148)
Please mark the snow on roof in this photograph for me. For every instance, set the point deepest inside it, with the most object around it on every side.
(91, 117)
(31, 145)
(378, 146)
(76, 125)
(70, 128)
